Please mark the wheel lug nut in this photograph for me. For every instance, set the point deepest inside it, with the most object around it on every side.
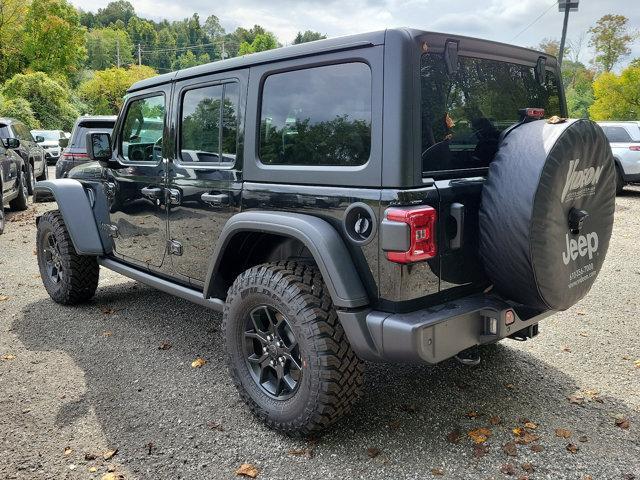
(273, 363)
(279, 344)
(264, 349)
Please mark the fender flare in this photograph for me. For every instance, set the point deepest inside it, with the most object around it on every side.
(323, 241)
(75, 207)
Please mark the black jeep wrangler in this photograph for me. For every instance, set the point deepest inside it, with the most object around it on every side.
(397, 196)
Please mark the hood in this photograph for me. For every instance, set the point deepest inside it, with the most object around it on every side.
(49, 144)
(86, 171)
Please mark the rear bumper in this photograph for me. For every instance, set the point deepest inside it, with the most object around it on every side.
(433, 334)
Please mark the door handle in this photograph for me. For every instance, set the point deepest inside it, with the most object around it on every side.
(215, 199)
(457, 212)
(151, 192)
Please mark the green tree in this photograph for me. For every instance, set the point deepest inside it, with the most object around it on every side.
(617, 97)
(114, 11)
(103, 45)
(19, 108)
(50, 101)
(308, 36)
(261, 43)
(611, 38)
(12, 17)
(578, 84)
(104, 92)
(551, 46)
(213, 29)
(54, 39)
(189, 59)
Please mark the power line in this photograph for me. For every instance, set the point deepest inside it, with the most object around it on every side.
(535, 21)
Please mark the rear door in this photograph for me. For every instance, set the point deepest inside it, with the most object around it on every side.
(463, 115)
(138, 208)
(205, 171)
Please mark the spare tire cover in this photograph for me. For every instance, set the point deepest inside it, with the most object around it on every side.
(547, 212)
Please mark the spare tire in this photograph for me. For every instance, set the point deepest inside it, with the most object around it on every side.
(547, 212)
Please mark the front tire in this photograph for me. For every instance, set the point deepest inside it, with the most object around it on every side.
(21, 202)
(31, 177)
(620, 183)
(286, 351)
(69, 278)
(1, 218)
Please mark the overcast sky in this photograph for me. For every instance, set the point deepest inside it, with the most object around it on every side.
(501, 20)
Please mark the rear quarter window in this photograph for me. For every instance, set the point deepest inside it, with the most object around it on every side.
(319, 116)
(617, 134)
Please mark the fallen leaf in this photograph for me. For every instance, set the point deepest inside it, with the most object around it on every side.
(479, 435)
(454, 436)
(394, 425)
(584, 334)
(480, 450)
(517, 431)
(566, 349)
(622, 422)
(109, 454)
(587, 477)
(93, 470)
(572, 448)
(508, 469)
(528, 467)
(437, 472)
(164, 346)
(107, 333)
(373, 452)
(307, 452)
(527, 438)
(90, 456)
(581, 312)
(3, 298)
(107, 310)
(247, 470)
(510, 449)
(67, 451)
(530, 425)
(112, 476)
(537, 448)
(215, 426)
(637, 363)
(583, 439)
(509, 386)
(8, 356)
(495, 420)
(576, 399)
(472, 414)
(409, 408)
(563, 433)
(199, 362)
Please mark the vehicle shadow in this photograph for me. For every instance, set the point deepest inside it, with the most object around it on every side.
(144, 394)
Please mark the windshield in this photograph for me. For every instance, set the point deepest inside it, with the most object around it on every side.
(464, 113)
(48, 135)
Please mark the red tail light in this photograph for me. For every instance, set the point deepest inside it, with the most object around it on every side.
(536, 113)
(635, 148)
(422, 238)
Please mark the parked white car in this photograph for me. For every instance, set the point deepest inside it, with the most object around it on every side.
(624, 138)
(50, 143)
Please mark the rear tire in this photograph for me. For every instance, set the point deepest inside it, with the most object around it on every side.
(1, 218)
(44, 175)
(69, 278)
(21, 202)
(291, 301)
(31, 177)
(620, 183)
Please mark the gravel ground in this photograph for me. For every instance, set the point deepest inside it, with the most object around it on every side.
(79, 382)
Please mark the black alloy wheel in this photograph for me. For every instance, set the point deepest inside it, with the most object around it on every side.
(272, 352)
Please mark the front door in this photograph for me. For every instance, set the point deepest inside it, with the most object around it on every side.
(204, 182)
(137, 192)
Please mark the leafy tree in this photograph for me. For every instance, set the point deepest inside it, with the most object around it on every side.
(261, 43)
(49, 100)
(578, 83)
(19, 108)
(12, 16)
(610, 38)
(212, 28)
(308, 36)
(617, 97)
(189, 59)
(103, 45)
(551, 46)
(54, 39)
(142, 32)
(105, 91)
(114, 11)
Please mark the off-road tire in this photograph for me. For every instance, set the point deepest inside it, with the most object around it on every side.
(44, 175)
(2, 220)
(81, 272)
(21, 202)
(332, 375)
(31, 184)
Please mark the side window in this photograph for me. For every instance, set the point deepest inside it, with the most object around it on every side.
(22, 132)
(209, 124)
(318, 116)
(142, 129)
(617, 134)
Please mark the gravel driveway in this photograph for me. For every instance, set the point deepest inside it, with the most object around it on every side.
(115, 374)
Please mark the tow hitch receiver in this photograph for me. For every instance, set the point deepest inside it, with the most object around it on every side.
(526, 333)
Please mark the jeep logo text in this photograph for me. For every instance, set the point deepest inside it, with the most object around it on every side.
(582, 246)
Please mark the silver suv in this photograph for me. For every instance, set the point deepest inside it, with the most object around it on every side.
(624, 138)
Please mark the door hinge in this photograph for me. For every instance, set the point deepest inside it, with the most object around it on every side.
(174, 247)
(111, 229)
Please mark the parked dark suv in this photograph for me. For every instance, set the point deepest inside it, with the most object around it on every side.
(13, 179)
(29, 150)
(397, 196)
(75, 149)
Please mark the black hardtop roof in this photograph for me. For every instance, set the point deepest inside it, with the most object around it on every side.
(348, 42)
(96, 118)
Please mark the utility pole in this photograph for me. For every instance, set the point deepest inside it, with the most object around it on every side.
(224, 54)
(565, 6)
(118, 52)
(139, 56)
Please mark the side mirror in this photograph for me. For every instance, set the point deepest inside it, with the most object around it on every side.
(99, 149)
(39, 139)
(63, 142)
(10, 143)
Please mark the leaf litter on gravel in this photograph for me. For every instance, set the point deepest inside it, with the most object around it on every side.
(247, 470)
(479, 435)
(198, 362)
